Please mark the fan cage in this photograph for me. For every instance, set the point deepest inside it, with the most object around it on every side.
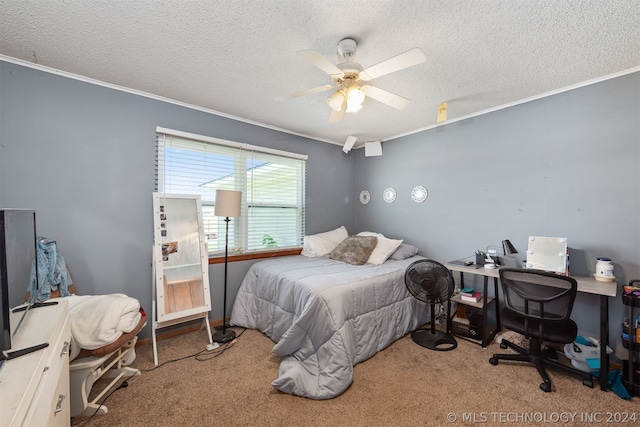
(429, 281)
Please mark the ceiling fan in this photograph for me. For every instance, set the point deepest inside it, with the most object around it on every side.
(347, 75)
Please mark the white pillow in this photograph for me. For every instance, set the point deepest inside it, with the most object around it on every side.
(384, 248)
(321, 244)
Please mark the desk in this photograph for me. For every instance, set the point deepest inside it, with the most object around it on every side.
(486, 273)
(586, 285)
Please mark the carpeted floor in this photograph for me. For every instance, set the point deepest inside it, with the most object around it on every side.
(403, 385)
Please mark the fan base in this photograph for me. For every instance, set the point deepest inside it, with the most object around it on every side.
(437, 340)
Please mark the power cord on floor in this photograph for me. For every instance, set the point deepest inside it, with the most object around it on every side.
(209, 355)
(215, 353)
(123, 384)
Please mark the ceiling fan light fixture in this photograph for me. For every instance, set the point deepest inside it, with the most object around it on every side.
(355, 98)
(336, 100)
(346, 75)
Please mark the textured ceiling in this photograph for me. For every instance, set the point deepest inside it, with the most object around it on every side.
(235, 56)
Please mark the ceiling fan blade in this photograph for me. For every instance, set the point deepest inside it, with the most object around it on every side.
(305, 92)
(320, 61)
(407, 59)
(336, 116)
(381, 95)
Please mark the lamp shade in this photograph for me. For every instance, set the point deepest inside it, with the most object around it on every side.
(228, 203)
(508, 248)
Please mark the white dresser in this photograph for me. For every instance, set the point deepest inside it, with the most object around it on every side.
(34, 388)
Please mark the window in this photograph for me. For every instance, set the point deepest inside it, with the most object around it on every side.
(272, 184)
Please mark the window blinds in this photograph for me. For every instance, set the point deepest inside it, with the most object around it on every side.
(272, 184)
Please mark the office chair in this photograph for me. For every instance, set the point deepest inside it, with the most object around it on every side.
(538, 305)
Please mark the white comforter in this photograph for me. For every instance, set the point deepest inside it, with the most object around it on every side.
(325, 317)
(98, 320)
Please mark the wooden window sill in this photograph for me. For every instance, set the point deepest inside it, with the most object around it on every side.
(256, 255)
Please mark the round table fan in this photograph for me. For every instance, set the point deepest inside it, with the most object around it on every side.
(431, 282)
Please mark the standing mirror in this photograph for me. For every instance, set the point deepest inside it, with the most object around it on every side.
(180, 263)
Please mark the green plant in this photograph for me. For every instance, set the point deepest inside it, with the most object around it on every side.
(268, 241)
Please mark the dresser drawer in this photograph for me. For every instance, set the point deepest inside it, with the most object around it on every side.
(50, 404)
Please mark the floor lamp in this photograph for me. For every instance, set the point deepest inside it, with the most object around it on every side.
(228, 205)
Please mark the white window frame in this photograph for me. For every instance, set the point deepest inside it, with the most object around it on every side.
(239, 227)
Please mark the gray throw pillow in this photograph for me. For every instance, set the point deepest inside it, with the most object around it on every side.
(404, 251)
(354, 250)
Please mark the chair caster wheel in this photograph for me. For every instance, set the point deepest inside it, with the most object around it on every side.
(545, 387)
(588, 383)
(493, 361)
(503, 346)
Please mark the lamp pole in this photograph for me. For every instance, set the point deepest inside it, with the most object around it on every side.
(228, 204)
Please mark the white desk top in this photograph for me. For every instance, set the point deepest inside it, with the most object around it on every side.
(586, 284)
(589, 285)
(490, 272)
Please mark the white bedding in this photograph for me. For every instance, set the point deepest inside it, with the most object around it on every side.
(98, 320)
(326, 316)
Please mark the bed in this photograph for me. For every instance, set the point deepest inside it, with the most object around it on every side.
(326, 316)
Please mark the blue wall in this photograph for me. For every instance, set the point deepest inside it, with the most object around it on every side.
(83, 156)
(567, 165)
